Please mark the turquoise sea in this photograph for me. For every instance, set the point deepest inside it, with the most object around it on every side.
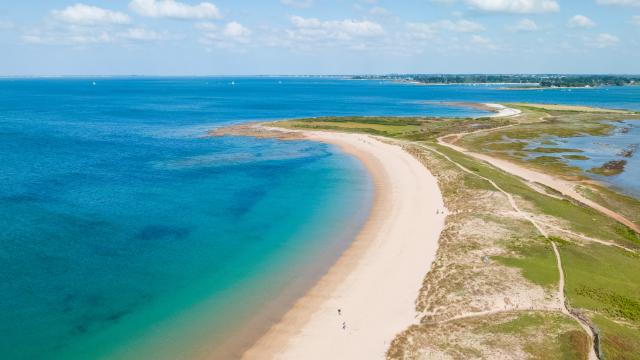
(127, 233)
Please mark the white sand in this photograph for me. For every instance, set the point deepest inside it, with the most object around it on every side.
(376, 281)
(502, 111)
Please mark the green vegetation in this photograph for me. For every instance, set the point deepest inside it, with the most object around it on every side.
(619, 340)
(568, 344)
(391, 128)
(606, 282)
(626, 205)
(542, 123)
(408, 128)
(508, 145)
(581, 219)
(537, 261)
(603, 279)
(556, 163)
(553, 150)
(530, 334)
(601, 282)
(610, 168)
(575, 157)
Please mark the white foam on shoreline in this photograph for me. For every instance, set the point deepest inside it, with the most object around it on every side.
(503, 111)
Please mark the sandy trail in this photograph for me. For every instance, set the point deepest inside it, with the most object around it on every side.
(562, 304)
(376, 281)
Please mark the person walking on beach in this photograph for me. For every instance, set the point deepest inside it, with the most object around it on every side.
(339, 312)
(344, 325)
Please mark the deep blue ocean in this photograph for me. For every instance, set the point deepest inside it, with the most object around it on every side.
(125, 232)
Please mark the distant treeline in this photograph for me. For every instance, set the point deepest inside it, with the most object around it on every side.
(543, 80)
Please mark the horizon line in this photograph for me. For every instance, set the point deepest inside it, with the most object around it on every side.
(304, 75)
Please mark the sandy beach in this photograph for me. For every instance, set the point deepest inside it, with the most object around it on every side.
(375, 282)
(502, 111)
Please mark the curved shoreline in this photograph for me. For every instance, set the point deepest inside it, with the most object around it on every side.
(375, 282)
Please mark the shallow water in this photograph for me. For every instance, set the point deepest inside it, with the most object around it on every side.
(123, 228)
(601, 149)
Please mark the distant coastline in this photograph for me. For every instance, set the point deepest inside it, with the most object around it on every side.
(520, 81)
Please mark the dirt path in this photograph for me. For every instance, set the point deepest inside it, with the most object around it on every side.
(560, 293)
(590, 239)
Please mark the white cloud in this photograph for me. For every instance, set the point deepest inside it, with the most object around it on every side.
(480, 40)
(231, 36)
(429, 30)
(459, 25)
(175, 9)
(6, 25)
(297, 3)
(32, 38)
(422, 31)
(236, 31)
(380, 11)
(75, 35)
(88, 15)
(311, 34)
(334, 29)
(620, 2)
(525, 25)
(603, 40)
(515, 6)
(84, 39)
(206, 26)
(36, 36)
(580, 21)
(142, 34)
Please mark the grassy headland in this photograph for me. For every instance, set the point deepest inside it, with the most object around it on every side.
(495, 276)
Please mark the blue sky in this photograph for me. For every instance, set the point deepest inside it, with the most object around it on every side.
(218, 37)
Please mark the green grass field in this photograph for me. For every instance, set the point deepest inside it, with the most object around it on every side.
(528, 335)
(536, 261)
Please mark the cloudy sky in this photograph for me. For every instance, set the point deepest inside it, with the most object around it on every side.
(192, 37)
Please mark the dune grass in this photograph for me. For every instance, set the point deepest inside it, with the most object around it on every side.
(581, 219)
(604, 280)
(628, 206)
(409, 128)
(619, 340)
(536, 261)
(527, 335)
